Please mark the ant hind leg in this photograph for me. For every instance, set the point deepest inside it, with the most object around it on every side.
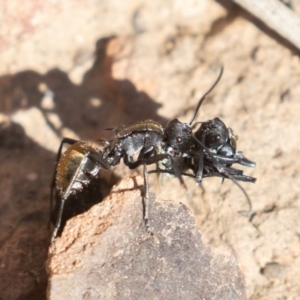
(146, 196)
(52, 186)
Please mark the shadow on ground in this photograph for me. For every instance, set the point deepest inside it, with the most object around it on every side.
(27, 168)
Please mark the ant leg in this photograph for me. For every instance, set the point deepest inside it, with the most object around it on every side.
(66, 196)
(235, 178)
(199, 173)
(52, 186)
(176, 163)
(238, 177)
(133, 165)
(99, 159)
(146, 196)
(225, 159)
(217, 164)
(243, 160)
(233, 171)
(145, 160)
(58, 221)
(156, 158)
(238, 158)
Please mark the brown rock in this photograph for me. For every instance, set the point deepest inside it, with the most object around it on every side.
(107, 253)
(164, 58)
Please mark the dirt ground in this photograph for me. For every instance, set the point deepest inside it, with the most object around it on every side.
(73, 68)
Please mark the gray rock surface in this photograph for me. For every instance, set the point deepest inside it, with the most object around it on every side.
(106, 253)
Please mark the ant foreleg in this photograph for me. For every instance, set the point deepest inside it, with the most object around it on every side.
(238, 158)
(144, 160)
(235, 178)
(59, 218)
(243, 160)
(239, 177)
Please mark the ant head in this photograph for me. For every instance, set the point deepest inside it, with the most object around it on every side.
(178, 135)
(213, 133)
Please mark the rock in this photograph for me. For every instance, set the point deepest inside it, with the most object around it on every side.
(107, 253)
(153, 61)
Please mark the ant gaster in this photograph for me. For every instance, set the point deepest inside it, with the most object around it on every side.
(74, 170)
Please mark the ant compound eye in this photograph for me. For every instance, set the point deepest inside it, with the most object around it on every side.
(217, 137)
(179, 139)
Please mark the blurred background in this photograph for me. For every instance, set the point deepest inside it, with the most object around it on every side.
(73, 68)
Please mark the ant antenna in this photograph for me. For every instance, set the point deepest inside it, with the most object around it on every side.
(203, 97)
(196, 124)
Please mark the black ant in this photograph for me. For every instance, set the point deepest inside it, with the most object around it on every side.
(174, 147)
